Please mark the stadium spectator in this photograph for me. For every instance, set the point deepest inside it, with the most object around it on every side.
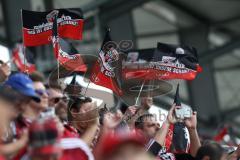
(148, 126)
(84, 117)
(58, 101)
(4, 71)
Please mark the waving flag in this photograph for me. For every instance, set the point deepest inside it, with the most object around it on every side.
(165, 62)
(37, 26)
(105, 69)
(18, 59)
(73, 62)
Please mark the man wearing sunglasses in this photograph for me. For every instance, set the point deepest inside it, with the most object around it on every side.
(58, 100)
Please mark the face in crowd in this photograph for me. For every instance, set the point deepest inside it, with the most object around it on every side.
(57, 100)
(146, 102)
(148, 125)
(83, 112)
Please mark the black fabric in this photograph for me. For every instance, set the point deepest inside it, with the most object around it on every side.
(177, 99)
(155, 148)
(180, 141)
(189, 58)
(184, 157)
(29, 22)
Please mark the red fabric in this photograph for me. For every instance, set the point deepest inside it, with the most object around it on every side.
(108, 143)
(219, 136)
(150, 74)
(2, 158)
(74, 154)
(21, 124)
(168, 140)
(99, 77)
(70, 132)
(18, 58)
(46, 150)
(44, 37)
(69, 62)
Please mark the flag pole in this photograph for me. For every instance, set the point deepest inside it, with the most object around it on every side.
(86, 88)
(23, 47)
(140, 92)
(58, 65)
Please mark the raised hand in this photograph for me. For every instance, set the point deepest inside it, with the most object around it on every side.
(191, 123)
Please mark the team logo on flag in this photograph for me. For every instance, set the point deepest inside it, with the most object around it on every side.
(108, 61)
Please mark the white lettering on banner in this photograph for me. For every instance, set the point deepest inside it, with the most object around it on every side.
(65, 20)
(31, 32)
(69, 22)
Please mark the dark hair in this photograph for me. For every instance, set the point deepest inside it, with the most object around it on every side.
(78, 101)
(8, 94)
(213, 150)
(140, 120)
(75, 103)
(37, 77)
(54, 86)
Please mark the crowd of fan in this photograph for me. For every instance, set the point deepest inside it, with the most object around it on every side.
(42, 122)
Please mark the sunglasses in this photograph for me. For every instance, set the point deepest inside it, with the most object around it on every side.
(40, 92)
(58, 99)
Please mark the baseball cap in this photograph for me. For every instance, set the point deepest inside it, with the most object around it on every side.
(22, 84)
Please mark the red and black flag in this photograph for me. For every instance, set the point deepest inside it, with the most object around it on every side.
(37, 26)
(24, 64)
(165, 62)
(180, 139)
(104, 72)
(73, 62)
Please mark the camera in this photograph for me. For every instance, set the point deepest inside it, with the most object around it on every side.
(183, 112)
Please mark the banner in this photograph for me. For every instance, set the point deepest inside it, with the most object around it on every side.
(37, 26)
(165, 62)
